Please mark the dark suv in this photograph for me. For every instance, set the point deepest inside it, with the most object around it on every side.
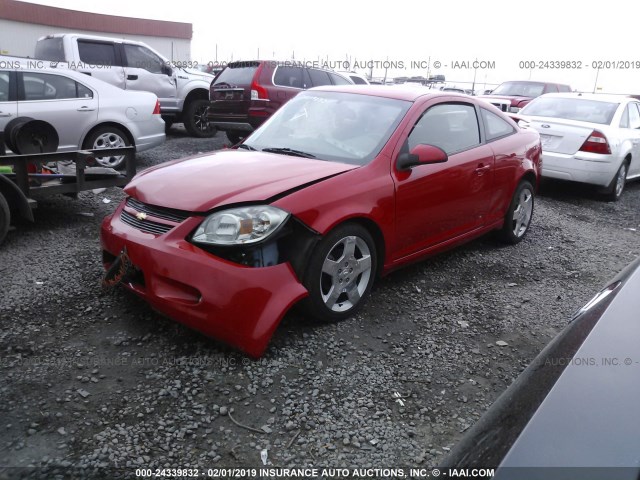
(513, 96)
(246, 93)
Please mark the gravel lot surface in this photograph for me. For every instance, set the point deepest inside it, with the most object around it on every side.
(89, 379)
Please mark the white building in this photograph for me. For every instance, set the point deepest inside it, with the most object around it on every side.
(21, 24)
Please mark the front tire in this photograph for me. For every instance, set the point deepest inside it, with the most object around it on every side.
(235, 137)
(341, 272)
(616, 187)
(196, 120)
(518, 217)
(109, 137)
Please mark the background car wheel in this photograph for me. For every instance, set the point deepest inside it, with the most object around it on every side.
(196, 120)
(5, 218)
(109, 137)
(235, 136)
(518, 217)
(616, 187)
(168, 123)
(340, 273)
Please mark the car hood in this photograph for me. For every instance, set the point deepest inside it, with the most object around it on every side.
(512, 98)
(198, 184)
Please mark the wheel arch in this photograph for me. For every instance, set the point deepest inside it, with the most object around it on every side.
(195, 94)
(119, 126)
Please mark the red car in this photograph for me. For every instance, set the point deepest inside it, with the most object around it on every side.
(514, 96)
(340, 186)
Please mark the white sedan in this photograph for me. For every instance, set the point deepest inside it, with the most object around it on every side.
(588, 138)
(86, 112)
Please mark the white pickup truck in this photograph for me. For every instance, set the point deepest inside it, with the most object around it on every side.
(130, 65)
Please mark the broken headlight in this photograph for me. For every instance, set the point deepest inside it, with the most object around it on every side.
(240, 226)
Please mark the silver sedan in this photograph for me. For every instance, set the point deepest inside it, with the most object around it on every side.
(588, 138)
(86, 112)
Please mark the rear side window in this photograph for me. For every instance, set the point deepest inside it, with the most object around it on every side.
(564, 88)
(319, 78)
(141, 57)
(288, 77)
(235, 74)
(50, 49)
(338, 80)
(495, 127)
(634, 115)
(97, 53)
(44, 86)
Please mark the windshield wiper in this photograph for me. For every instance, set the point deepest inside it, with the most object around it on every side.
(247, 147)
(288, 151)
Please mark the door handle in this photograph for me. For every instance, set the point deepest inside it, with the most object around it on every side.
(5, 114)
(132, 77)
(86, 109)
(483, 169)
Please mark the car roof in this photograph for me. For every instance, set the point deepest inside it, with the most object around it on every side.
(92, 37)
(409, 93)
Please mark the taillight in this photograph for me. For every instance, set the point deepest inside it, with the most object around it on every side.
(596, 143)
(156, 110)
(258, 92)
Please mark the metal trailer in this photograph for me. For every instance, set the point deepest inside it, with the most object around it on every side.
(19, 189)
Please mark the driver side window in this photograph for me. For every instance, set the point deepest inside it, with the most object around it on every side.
(451, 126)
(140, 57)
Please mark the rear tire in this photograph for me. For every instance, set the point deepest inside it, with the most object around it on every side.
(616, 187)
(196, 120)
(518, 217)
(235, 136)
(109, 137)
(5, 218)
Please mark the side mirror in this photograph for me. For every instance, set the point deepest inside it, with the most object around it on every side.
(421, 155)
(167, 70)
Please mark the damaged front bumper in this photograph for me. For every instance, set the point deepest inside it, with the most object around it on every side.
(237, 304)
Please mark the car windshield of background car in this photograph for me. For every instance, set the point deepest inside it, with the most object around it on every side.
(519, 89)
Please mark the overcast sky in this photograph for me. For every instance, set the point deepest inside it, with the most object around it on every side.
(401, 32)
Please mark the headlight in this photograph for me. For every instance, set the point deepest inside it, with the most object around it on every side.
(240, 226)
(514, 109)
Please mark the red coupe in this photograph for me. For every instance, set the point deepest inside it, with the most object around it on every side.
(340, 186)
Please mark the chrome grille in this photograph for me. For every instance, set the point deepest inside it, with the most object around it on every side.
(502, 106)
(173, 215)
(147, 226)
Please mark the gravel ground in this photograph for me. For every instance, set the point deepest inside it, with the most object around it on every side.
(92, 380)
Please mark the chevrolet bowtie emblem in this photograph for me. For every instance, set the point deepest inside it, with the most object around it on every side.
(141, 216)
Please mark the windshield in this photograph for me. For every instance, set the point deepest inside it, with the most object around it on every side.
(343, 127)
(580, 109)
(519, 89)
